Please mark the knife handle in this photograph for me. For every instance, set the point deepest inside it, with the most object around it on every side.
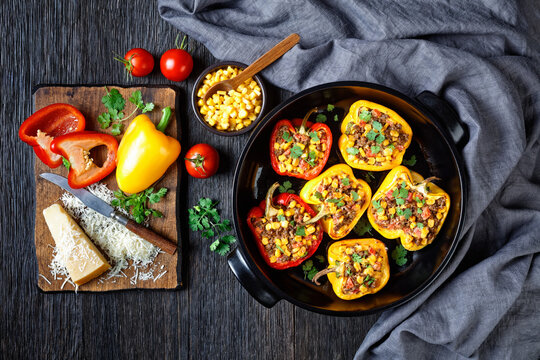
(150, 236)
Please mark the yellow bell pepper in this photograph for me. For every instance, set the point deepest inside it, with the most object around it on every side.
(337, 194)
(381, 151)
(145, 153)
(408, 207)
(356, 267)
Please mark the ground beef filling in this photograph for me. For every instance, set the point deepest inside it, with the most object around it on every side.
(343, 197)
(374, 139)
(298, 153)
(362, 269)
(283, 238)
(403, 208)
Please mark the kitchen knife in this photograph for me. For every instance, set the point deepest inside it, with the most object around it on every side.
(96, 204)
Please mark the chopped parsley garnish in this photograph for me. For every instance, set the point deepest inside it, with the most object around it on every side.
(355, 195)
(403, 193)
(309, 270)
(345, 181)
(336, 118)
(330, 107)
(314, 136)
(407, 213)
(320, 258)
(296, 152)
(399, 254)
(377, 125)
(348, 128)
(334, 200)
(286, 188)
(281, 217)
(371, 135)
(356, 258)
(375, 149)
(411, 161)
(320, 118)
(362, 227)
(287, 136)
(369, 176)
(319, 196)
(352, 151)
(365, 115)
(301, 231)
(380, 139)
(420, 225)
(400, 201)
(348, 272)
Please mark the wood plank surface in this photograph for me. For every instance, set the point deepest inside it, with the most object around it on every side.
(212, 316)
(88, 100)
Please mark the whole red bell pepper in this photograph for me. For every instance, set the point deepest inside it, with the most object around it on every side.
(76, 148)
(290, 151)
(281, 235)
(45, 124)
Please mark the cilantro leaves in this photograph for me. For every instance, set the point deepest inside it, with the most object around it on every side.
(411, 161)
(205, 217)
(135, 204)
(309, 270)
(362, 227)
(296, 152)
(286, 188)
(320, 118)
(114, 102)
(399, 254)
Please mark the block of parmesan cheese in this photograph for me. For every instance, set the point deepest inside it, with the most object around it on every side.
(79, 255)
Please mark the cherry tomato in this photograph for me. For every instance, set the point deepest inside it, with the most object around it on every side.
(176, 64)
(138, 62)
(202, 161)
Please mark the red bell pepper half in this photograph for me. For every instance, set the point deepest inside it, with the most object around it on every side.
(297, 133)
(45, 124)
(76, 148)
(301, 243)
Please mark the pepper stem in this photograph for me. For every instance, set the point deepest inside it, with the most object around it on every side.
(322, 213)
(164, 119)
(269, 210)
(302, 129)
(422, 186)
(322, 273)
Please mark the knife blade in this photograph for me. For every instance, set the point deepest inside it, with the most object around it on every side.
(102, 207)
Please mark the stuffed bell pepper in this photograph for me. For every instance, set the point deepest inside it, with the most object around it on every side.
(300, 148)
(340, 198)
(373, 137)
(356, 268)
(409, 207)
(278, 225)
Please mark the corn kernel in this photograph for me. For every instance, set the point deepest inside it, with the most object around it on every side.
(275, 225)
(264, 241)
(277, 253)
(430, 201)
(439, 216)
(392, 211)
(431, 222)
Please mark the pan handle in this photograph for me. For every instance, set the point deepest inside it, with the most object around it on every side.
(447, 116)
(249, 281)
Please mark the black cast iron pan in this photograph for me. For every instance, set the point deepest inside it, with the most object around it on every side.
(436, 134)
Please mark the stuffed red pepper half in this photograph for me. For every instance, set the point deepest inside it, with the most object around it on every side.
(280, 230)
(300, 148)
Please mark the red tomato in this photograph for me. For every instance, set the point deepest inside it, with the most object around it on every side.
(138, 62)
(176, 64)
(202, 161)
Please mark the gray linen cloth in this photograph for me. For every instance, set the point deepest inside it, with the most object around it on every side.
(482, 57)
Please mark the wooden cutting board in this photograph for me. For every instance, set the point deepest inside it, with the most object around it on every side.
(88, 100)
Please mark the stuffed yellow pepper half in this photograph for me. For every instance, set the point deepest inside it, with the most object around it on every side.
(340, 198)
(409, 207)
(356, 267)
(373, 137)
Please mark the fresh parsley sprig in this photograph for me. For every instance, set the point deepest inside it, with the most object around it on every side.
(399, 254)
(115, 103)
(136, 204)
(309, 270)
(286, 187)
(205, 217)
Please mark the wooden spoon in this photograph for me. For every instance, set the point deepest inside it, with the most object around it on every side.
(268, 58)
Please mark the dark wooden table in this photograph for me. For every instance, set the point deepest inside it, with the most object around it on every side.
(71, 42)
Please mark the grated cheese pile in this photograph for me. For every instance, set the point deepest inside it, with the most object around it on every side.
(119, 244)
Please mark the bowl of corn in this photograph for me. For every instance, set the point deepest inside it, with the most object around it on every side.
(228, 113)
